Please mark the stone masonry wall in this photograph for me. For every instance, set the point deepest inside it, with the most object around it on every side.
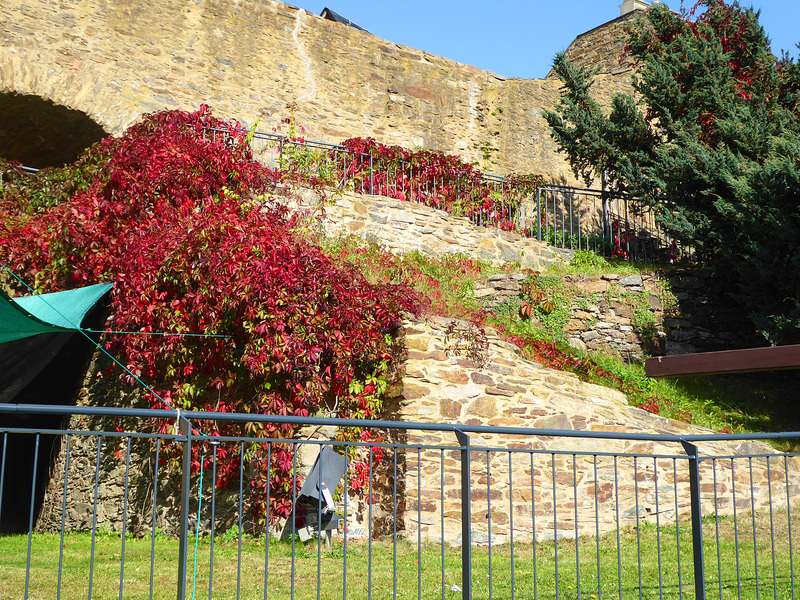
(248, 60)
(446, 380)
(441, 385)
(406, 226)
(603, 47)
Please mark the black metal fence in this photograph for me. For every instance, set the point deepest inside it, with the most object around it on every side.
(449, 511)
(610, 225)
(613, 226)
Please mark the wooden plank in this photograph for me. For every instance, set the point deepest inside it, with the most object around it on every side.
(748, 360)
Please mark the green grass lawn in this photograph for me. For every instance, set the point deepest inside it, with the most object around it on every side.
(626, 567)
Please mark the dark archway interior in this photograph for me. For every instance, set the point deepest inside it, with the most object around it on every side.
(43, 369)
(39, 133)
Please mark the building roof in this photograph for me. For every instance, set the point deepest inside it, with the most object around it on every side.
(330, 15)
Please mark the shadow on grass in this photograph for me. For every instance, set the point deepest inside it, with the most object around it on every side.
(758, 402)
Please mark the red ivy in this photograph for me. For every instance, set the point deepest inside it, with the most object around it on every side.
(438, 180)
(179, 220)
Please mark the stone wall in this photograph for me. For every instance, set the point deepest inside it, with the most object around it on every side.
(406, 226)
(604, 314)
(249, 60)
(603, 48)
(443, 381)
(441, 385)
(704, 320)
(449, 379)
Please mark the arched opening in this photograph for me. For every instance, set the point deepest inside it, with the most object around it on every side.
(39, 133)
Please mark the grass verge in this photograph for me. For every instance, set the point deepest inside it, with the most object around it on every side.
(644, 562)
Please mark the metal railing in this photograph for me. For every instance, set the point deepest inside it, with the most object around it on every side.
(449, 511)
(566, 217)
(611, 225)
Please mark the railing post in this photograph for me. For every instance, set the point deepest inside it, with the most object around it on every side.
(371, 177)
(697, 523)
(539, 214)
(183, 544)
(466, 517)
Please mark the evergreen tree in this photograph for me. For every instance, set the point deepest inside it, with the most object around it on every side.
(711, 144)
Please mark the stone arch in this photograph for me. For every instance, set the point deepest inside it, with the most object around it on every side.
(39, 133)
(50, 112)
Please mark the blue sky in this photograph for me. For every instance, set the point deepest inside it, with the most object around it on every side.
(514, 38)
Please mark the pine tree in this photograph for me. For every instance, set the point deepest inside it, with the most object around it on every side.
(711, 144)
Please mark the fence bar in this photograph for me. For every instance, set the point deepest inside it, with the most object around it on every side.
(511, 520)
(755, 530)
(466, 516)
(239, 537)
(789, 520)
(772, 532)
(442, 509)
(371, 177)
(533, 528)
(213, 524)
(394, 523)
(539, 214)
(30, 522)
(155, 513)
(186, 481)
(63, 519)
(658, 528)
(577, 530)
(678, 522)
(597, 527)
(638, 522)
(489, 517)
(94, 514)
(347, 531)
(616, 521)
(3, 471)
(697, 523)
(716, 526)
(124, 514)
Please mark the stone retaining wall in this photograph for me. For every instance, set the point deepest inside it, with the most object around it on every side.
(445, 381)
(541, 487)
(407, 226)
(441, 386)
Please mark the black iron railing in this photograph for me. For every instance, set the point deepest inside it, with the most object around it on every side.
(611, 225)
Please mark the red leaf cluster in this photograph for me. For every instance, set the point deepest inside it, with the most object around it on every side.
(438, 180)
(181, 222)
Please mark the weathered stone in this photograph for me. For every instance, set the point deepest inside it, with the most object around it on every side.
(631, 280)
(481, 378)
(496, 391)
(455, 377)
(483, 407)
(554, 422)
(469, 390)
(412, 391)
(449, 409)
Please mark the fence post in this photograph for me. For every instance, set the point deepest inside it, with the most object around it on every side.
(183, 544)
(539, 214)
(697, 523)
(371, 177)
(466, 517)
